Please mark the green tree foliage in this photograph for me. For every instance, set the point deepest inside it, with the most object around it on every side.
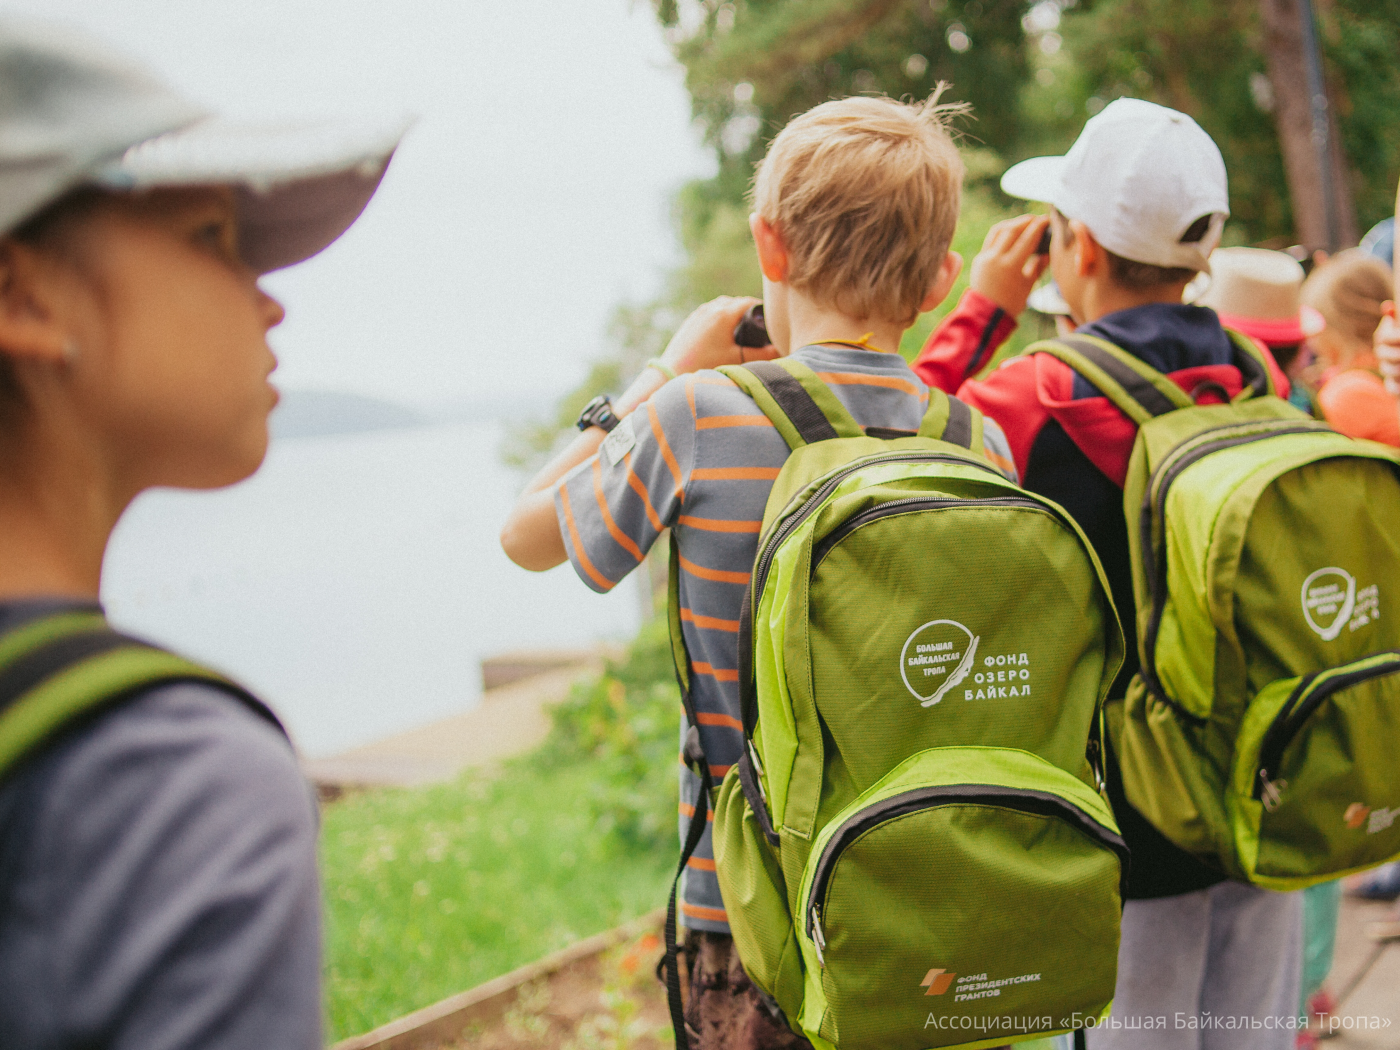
(1195, 56)
(753, 64)
(1362, 40)
(1205, 58)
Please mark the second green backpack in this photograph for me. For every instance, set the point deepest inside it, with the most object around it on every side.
(1261, 732)
(913, 851)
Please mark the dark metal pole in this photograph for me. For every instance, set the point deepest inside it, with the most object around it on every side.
(1321, 121)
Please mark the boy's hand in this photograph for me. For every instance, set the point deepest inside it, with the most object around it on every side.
(1007, 267)
(1388, 349)
(706, 338)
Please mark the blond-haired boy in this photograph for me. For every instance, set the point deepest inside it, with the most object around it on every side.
(854, 210)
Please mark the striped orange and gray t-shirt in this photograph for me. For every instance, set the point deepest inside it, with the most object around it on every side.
(700, 458)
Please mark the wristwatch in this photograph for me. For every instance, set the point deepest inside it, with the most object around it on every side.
(598, 413)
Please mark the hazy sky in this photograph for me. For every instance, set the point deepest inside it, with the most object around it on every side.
(530, 198)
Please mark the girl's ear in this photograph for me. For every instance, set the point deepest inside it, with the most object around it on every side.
(29, 326)
(773, 257)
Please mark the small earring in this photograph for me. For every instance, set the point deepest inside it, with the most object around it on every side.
(71, 353)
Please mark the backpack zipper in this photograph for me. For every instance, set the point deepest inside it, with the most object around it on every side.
(1042, 803)
(912, 505)
(1287, 722)
(809, 506)
(1154, 503)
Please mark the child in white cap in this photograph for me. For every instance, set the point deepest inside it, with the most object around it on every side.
(1138, 205)
(157, 843)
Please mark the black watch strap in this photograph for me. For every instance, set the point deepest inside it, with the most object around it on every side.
(598, 413)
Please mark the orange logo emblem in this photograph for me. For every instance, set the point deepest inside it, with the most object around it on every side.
(1356, 815)
(937, 982)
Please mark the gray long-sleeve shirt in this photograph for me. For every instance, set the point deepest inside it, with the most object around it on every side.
(158, 882)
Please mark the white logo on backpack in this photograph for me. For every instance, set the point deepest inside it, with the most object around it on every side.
(928, 654)
(1381, 819)
(1329, 596)
(1332, 600)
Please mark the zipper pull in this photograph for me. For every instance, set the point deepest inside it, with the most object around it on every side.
(758, 770)
(753, 757)
(1271, 791)
(1096, 765)
(818, 938)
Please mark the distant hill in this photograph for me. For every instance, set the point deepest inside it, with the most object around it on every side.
(323, 413)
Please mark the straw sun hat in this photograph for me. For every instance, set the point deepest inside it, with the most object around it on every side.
(1259, 293)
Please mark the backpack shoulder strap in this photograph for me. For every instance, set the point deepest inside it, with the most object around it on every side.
(951, 420)
(1136, 388)
(800, 405)
(1254, 369)
(805, 411)
(63, 668)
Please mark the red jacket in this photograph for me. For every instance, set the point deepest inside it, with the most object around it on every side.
(1026, 392)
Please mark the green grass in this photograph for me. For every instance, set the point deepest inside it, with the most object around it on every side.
(432, 891)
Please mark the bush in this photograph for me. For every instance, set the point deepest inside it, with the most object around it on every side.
(625, 725)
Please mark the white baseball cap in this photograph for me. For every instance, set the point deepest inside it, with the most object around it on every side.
(1140, 176)
(73, 112)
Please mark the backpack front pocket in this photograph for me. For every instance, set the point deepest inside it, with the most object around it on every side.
(1316, 786)
(924, 905)
(755, 898)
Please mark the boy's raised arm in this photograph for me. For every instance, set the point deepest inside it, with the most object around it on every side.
(531, 536)
(1003, 274)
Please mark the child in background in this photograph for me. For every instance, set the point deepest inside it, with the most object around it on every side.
(1350, 291)
(1380, 242)
(159, 884)
(1259, 293)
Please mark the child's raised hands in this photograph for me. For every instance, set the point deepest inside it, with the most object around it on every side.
(1007, 267)
(1387, 342)
(706, 338)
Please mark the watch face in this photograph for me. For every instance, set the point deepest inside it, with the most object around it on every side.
(598, 413)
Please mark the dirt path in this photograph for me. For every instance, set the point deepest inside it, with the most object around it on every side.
(609, 1002)
(510, 720)
(1377, 997)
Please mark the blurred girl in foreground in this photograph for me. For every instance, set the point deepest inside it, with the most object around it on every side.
(157, 866)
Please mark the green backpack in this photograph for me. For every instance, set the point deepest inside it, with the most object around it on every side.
(1261, 732)
(913, 851)
(58, 671)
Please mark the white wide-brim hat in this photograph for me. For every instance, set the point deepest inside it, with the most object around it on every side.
(1260, 293)
(1140, 176)
(73, 113)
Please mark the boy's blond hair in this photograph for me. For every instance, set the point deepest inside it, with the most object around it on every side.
(865, 194)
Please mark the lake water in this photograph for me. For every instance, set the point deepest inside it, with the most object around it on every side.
(355, 582)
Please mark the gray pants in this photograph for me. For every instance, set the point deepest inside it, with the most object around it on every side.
(1199, 971)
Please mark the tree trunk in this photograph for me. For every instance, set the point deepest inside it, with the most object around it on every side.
(1288, 75)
